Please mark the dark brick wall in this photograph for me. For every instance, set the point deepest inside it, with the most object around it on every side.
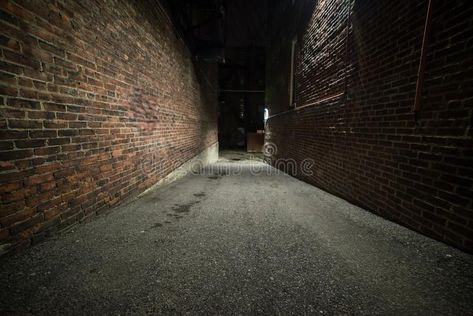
(98, 101)
(357, 75)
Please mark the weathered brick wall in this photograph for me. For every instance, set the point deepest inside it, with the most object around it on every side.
(364, 139)
(98, 101)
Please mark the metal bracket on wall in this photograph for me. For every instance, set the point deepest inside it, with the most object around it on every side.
(423, 56)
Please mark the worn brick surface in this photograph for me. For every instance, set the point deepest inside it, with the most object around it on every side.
(357, 65)
(98, 101)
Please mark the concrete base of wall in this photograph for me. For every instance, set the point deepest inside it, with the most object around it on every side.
(206, 157)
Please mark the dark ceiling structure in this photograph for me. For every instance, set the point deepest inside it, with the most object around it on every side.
(211, 26)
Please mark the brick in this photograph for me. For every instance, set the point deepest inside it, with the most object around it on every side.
(20, 227)
(14, 212)
(46, 151)
(13, 196)
(21, 59)
(51, 48)
(69, 107)
(9, 187)
(54, 124)
(42, 115)
(58, 141)
(6, 78)
(52, 213)
(38, 179)
(25, 124)
(16, 154)
(47, 186)
(39, 198)
(30, 143)
(60, 174)
(45, 228)
(43, 134)
(7, 89)
(55, 107)
(24, 104)
(9, 67)
(68, 132)
(367, 136)
(5, 145)
(9, 134)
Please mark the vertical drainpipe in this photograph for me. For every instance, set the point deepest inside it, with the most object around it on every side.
(347, 51)
(423, 56)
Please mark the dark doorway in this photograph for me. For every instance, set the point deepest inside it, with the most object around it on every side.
(241, 97)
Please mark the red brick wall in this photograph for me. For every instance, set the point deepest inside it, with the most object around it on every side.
(98, 101)
(365, 142)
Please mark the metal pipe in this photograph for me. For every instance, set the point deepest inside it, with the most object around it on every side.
(347, 51)
(295, 109)
(423, 56)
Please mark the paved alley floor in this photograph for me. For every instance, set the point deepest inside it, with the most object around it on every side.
(239, 238)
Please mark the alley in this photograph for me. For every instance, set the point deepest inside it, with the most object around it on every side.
(238, 238)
